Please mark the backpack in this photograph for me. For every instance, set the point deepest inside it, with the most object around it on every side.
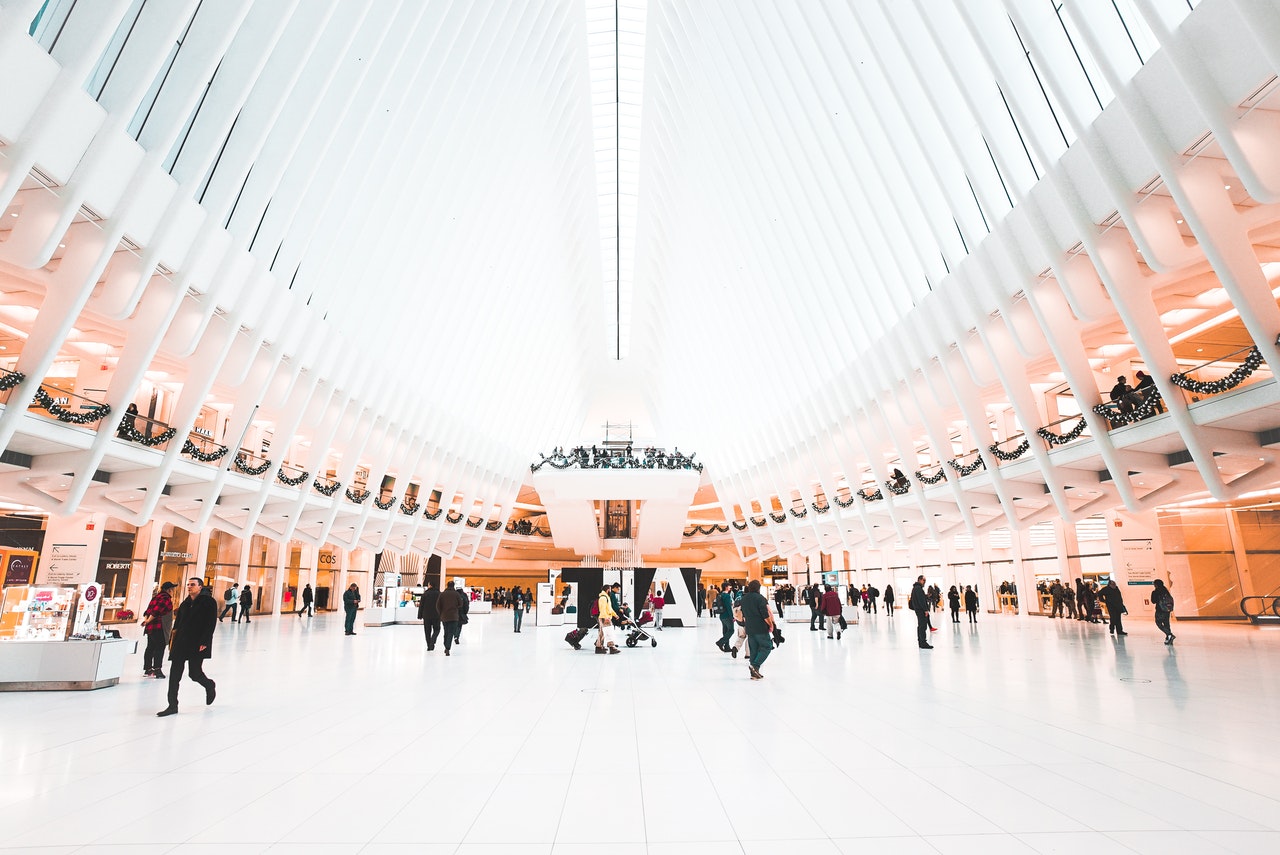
(595, 609)
(1164, 602)
(226, 595)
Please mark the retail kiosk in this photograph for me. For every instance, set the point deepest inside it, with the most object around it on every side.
(50, 639)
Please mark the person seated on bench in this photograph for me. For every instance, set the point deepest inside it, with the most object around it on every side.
(1124, 396)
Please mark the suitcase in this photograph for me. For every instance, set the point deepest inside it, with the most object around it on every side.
(575, 636)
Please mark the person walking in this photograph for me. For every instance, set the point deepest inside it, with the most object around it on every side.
(758, 621)
(307, 599)
(351, 604)
(192, 644)
(246, 602)
(873, 593)
(971, 603)
(830, 608)
(809, 595)
(429, 615)
(1162, 599)
(464, 606)
(231, 597)
(888, 600)
(157, 625)
(918, 602)
(724, 605)
(605, 614)
(953, 601)
(1114, 599)
(517, 606)
(656, 602)
(448, 605)
(700, 600)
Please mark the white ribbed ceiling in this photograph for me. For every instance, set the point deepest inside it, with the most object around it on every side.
(480, 205)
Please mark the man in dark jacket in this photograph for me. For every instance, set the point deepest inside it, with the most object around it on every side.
(1115, 608)
(430, 617)
(1163, 601)
(246, 602)
(307, 599)
(918, 602)
(351, 604)
(724, 605)
(464, 606)
(758, 621)
(448, 605)
(192, 643)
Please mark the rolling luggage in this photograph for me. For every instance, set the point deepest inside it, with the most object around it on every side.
(575, 636)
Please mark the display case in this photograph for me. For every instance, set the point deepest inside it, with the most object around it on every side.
(38, 612)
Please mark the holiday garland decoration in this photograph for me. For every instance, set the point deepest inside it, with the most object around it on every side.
(131, 433)
(1252, 362)
(893, 487)
(453, 519)
(742, 527)
(193, 451)
(695, 530)
(410, 507)
(493, 525)
(326, 489)
(433, 515)
(758, 523)
(292, 482)
(479, 522)
(870, 497)
(1006, 456)
(800, 514)
(71, 417)
(821, 509)
(1062, 439)
(847, 504)
(251, 470)
(358, 496)
(611, 458)
(385, 506)
(778, 518)
(1137, 414)
(966, 468)
(11, 379)
(931, 479)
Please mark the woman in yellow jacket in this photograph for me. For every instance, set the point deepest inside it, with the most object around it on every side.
(605, 615)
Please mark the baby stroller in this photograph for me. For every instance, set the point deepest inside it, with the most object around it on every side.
(638, 632)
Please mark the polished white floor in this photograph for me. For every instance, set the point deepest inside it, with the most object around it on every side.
(1019, 735)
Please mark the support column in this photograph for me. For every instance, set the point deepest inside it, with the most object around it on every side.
(282, 577)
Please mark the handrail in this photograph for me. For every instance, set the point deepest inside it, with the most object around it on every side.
(1261, 613)
(86, 413)
(1222, 358)
(153, 433)
(1054, 438)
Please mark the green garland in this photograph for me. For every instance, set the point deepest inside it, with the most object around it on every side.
(359, 496)
(1062, 439)
(713, 528)
(966, 468)
(326, 489)
(1007, 456)
(1251, 363)
(292, 482)
(453, 519)
(11, 379)
(251, 470)
(69, 416)
(409, 508)
(193, 451)
(870, 497)
(931, 479)
(385, 506)
(132, 434)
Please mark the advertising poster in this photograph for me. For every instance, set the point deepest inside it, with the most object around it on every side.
(17, 568)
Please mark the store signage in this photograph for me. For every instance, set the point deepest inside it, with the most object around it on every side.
(44, 596)
(184, 556)
(328, 558)
(117, 565)
(17, 570)
(203, 432)
(65, 564)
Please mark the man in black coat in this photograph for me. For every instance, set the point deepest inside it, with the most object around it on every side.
(919, 603)
(448, 604)
(1115, 608)
(429, 614)
(192, 643)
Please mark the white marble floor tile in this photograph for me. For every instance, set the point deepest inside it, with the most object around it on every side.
(1023, 735)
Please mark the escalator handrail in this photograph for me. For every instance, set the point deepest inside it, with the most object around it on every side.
(1262, 600)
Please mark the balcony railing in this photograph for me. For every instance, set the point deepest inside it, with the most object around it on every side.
(1063, 431)
(934, 473)
(68, 407)
(8, 381)
(199, 447)
(1009, 450)
(967, 463)
(248, 463)
(141, 430)
(1238, 368)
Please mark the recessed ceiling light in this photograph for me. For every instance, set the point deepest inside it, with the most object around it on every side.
(1179, 222)
(14, 214)
(1199, 350)
(64, 246)
(1224, 187)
